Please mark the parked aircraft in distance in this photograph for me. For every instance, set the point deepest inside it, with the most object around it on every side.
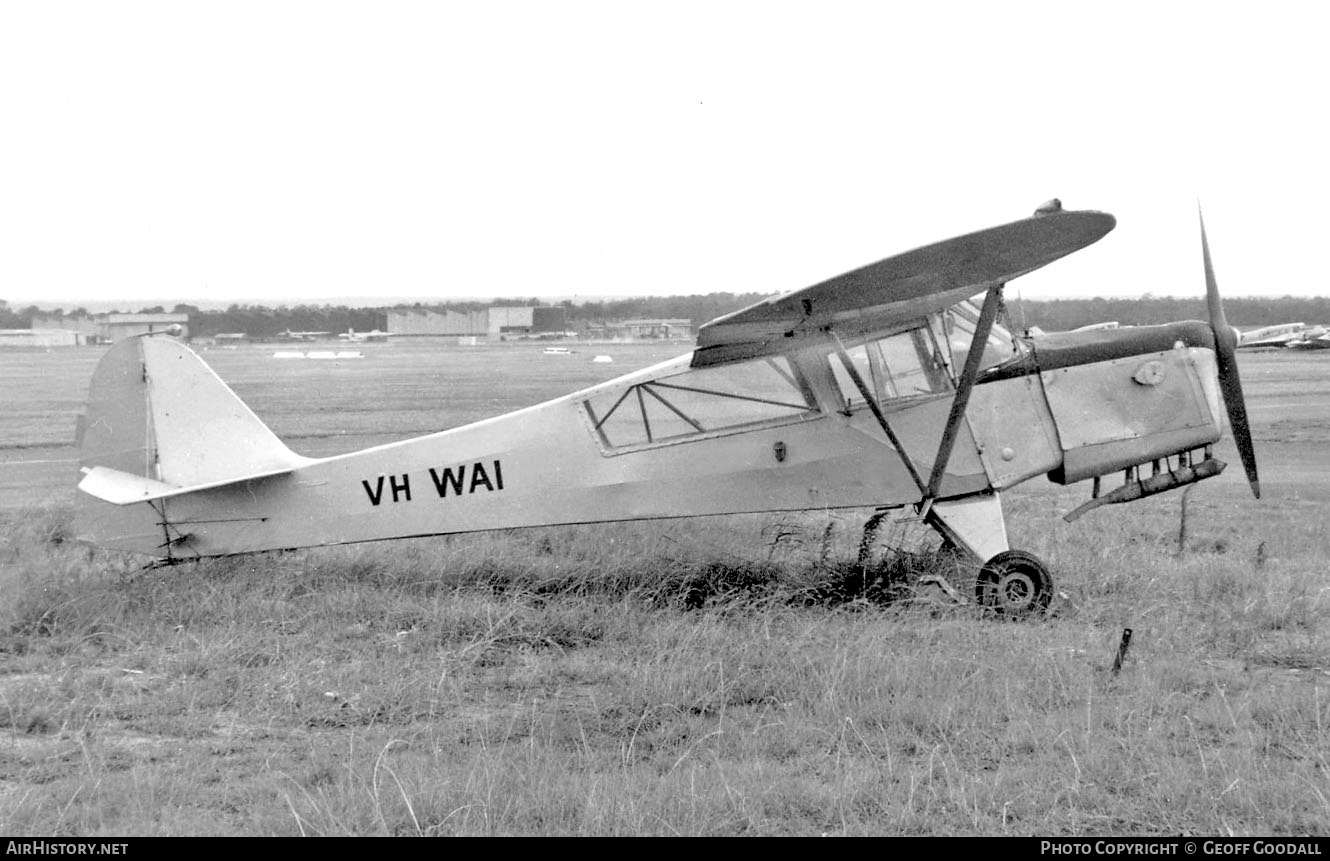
(1036, 332)
(360, 337)
(304, 336)
(1271, 336)
(862, 391)
(1311, 338)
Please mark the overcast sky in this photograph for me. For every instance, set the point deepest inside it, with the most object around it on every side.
(296, 151)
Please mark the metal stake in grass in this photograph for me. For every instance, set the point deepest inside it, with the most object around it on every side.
(1122, 650)
(1182, 521)
(826, 542)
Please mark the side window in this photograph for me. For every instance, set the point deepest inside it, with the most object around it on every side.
(905, 365)
(850, 394)
(961, 321)
(700, 401)
(915, 363)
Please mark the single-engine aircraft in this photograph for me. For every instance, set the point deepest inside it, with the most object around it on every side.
(846, 394)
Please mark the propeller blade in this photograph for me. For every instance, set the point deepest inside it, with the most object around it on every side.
(1230, 383)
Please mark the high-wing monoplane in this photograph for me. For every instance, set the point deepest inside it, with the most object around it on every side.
(862, 391)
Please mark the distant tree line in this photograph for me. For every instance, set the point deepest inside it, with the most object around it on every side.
(697, 309)
(11, 319)
(259, 321)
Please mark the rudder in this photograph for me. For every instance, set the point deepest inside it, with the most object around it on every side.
(160, 422)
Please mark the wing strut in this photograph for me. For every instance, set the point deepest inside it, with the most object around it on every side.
(963, 389)
(877, 411)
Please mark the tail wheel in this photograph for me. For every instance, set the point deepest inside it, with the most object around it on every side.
(1014, 584)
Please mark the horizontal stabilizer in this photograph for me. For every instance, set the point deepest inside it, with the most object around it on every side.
(161, 424)
(123, 488)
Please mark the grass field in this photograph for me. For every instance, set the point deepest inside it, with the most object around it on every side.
(681, 677)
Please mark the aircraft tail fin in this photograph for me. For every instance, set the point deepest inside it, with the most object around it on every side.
(161, 423)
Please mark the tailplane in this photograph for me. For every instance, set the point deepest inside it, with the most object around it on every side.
(161, 423)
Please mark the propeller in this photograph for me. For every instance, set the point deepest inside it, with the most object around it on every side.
(1226, 341)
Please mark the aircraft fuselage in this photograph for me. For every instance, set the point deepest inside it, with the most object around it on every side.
(673, 441)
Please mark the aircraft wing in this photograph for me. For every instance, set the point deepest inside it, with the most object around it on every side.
(901, 288)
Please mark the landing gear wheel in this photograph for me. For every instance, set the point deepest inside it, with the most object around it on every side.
(1014, 584)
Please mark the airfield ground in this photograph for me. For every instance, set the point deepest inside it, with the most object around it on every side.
(566, 681)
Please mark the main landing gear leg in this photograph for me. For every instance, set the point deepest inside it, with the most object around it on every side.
(1011, 582)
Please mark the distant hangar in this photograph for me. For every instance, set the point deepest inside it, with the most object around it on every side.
(108, 328)
(489, 322)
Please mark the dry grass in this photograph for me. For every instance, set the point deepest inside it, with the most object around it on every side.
(719, 676)
(661, 679)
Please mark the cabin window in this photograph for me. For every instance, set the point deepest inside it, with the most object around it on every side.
(701, 401)
(905, 365)
(961, 321)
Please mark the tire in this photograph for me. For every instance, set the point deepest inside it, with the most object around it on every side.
(1014, 584)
